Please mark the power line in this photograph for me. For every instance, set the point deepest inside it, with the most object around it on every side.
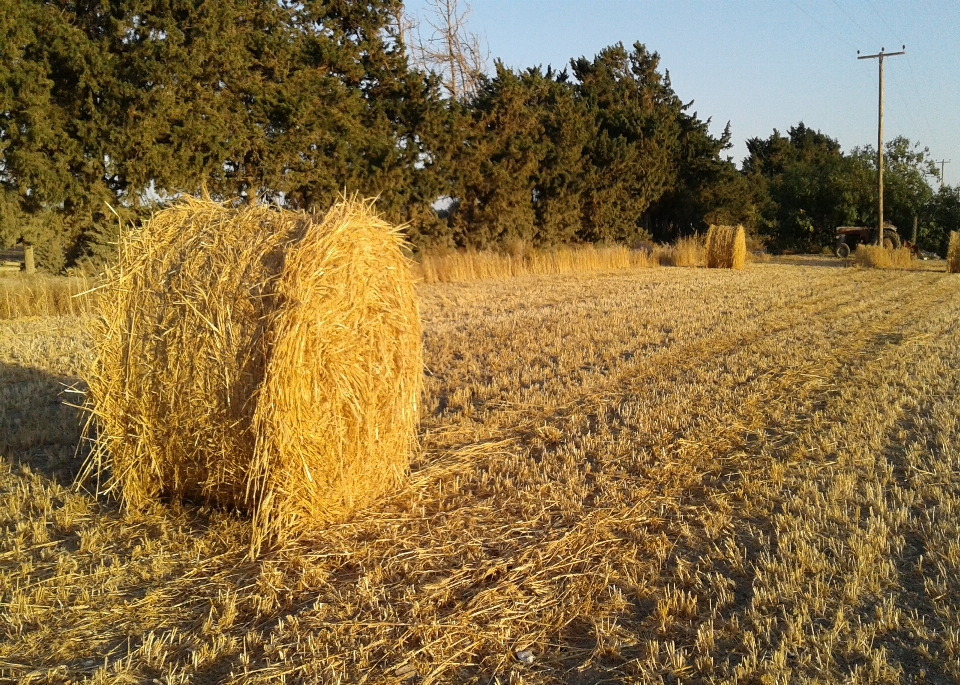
(889, 28)
(906, 105)
(916, 89)
(922, 96)
(855, 23)
(822, 25)
(921, 100)
(913, 77)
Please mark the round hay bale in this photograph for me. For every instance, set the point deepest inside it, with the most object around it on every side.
(953, 253)
(726, 247)
(260, 359)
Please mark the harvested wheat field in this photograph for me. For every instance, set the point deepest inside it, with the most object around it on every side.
(651, 475)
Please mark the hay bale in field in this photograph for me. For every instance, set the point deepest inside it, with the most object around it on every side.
(726, 247)
(953, 253)
(260, 359)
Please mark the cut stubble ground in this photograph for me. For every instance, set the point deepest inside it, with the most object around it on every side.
(633, 477)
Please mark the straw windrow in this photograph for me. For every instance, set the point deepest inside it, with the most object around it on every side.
(876, 257)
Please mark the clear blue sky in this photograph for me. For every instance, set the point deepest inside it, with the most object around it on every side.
(764, 64)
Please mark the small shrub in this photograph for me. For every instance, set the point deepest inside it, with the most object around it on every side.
(687, 251)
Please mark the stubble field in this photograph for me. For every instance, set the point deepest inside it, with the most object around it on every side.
(655, 475)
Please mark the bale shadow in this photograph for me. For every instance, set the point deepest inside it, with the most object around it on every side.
(38, 426)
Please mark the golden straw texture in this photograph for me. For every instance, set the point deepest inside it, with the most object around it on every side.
(474, 265)
(338, 409)
(687, 251)
(726, 247)
(739, 253)
(876, 257)
(953, 253)
(225, 373)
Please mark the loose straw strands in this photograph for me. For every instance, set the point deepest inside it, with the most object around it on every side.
(482, 265)
(876, 257)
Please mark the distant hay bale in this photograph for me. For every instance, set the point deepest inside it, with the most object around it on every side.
(726, 247)
(260, 359)
(953, 253)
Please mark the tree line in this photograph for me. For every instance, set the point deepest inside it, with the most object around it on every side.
(111, 107)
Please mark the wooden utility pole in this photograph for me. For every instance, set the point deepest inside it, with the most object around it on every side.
(941, 163)
(880, 55)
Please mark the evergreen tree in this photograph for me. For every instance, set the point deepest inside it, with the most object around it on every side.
(568, 128)
(51, 159)
(631, 157)
(501, 159)
(520, 172)
(943, 216)
(804, 187)
(130, 101)
(708, 189)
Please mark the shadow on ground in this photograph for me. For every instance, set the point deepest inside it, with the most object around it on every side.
(38, 426)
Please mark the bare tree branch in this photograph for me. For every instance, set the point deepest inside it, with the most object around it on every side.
(458, 56)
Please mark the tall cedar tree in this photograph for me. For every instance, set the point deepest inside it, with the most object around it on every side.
(708, 189)
(519, 164)
(568, 128)
(128, 102)
(548, 160)
(498, 163)
(51, 156)
(631, 157)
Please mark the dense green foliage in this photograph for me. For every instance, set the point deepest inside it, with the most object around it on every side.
(127, 102)
(109, 107)
(805, 186)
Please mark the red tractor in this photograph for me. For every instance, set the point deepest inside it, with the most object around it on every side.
(848, 237)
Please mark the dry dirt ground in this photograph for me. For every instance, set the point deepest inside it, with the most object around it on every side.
(660, 475)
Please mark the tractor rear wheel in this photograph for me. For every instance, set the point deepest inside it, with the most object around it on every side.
(891, 241)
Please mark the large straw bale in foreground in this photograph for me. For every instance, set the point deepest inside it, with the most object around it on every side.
(726, 247)
(953, 253)
(257, 358)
